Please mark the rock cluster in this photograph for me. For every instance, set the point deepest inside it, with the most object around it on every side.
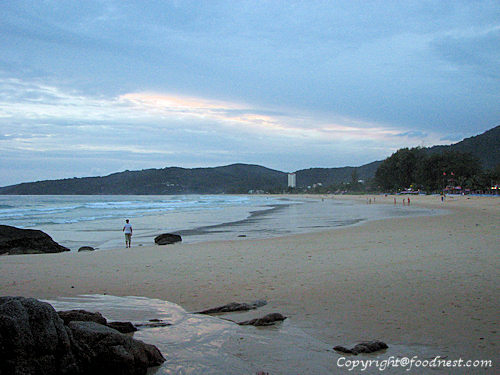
(34, 340)
(27, 241)
(267, 320)
(96, 317)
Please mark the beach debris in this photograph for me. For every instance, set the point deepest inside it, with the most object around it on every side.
(363, 347)
(39, 342)
(235, 306)
(86, 248)
(27, 241)
(267, 320)
(167, 239)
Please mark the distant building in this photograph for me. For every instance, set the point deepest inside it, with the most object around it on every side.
(292, 180)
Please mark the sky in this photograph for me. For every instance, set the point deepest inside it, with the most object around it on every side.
(89, 88)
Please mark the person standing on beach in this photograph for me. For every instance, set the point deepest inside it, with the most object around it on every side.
(128, 233)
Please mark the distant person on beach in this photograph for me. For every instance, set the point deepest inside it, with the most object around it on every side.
(128, 233)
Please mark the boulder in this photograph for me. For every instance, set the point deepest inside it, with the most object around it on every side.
(167, 239)
(107, 351)
(81, 316)
(27, 241)
(87, 316)
(363, 347)
(86, 248)
(235, 306)
(123, 327)
(267, 320)
(34, 340)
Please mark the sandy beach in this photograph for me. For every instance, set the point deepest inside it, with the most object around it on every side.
(417, 280)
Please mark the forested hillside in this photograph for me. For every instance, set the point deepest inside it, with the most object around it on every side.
(241, 178)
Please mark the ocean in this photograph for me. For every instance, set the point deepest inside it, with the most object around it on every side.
(97, 221)
(198, 344)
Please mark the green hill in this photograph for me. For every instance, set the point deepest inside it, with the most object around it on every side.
(485, 147)
(235, 178)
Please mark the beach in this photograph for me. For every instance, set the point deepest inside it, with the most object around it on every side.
(427, 281)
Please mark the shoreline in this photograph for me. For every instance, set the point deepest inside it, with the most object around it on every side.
(426, 280)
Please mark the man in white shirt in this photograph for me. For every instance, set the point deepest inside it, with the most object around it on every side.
(128, 233)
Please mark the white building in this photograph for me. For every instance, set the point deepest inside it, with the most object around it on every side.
(292, 180)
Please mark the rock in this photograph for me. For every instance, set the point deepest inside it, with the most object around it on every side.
(268, 320)
(167, 239)
(123, 327)
(107, 351)
(81, 316)
(363, 347)
(27, 241)
(34, 340)
(86, 248)
(87, 316)
(153, 325)
(235, 306)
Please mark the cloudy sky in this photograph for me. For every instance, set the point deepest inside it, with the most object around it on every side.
(93, 87)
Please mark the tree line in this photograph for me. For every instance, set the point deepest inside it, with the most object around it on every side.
(417, 169)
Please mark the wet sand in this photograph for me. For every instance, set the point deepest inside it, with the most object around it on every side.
(429, 281)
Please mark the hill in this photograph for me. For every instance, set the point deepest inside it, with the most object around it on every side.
(235, 178)
(485, 147)
(330, 176)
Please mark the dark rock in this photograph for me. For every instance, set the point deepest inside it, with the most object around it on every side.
(167, 239)
(268, 320)
(81, 316)
(153, 325)
(242, 235)
(235, 306)
(123, 327)
(86, 248)
(107, 351)
(87, 316)
(27, 241)
(34, 340)
(363, 347)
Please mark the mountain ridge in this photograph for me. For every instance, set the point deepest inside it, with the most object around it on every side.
(234, 178)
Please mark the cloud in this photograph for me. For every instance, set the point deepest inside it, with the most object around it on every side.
(476, 48)
(150, 129)
(38, 109)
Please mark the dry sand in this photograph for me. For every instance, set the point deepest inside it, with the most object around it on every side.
(423, 280)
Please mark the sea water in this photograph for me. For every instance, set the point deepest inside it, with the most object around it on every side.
(195, 344)
(97, 221)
